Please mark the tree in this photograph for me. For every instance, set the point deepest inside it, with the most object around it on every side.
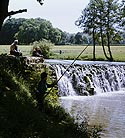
(100, 18)
(28, 31)
(87, 22)
(45, 27)
(72, 39)
(55, 35)
(122, 13)
(122, 19)
(63, 39)
(10, 27)
(85, 40)
(78, 38)
(37, 29)
(101, 36)
(4, 13)
(111, 21)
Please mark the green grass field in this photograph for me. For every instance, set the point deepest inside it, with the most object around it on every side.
(24, 48)
(71, 52)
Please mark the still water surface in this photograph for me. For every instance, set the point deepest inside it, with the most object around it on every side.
(105, 109)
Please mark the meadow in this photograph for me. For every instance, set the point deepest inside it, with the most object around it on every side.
(71, 52)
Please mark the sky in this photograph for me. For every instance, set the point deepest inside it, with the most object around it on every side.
(61, 13)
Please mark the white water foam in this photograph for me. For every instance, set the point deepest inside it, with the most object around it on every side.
(106, 107)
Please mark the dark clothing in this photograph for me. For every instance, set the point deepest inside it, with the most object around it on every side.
(37, 53)
(15, 53)
(14, 50)
(42, 87)
(41, 92)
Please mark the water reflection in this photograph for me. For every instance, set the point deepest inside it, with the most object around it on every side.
(106, 109)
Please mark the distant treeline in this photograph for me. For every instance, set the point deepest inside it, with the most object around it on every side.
(29, 30)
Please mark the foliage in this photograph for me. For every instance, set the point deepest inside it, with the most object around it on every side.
(10, 27)
(101, 19)
(55, 36)
(29, 30)
(20, 116)
(44, 46)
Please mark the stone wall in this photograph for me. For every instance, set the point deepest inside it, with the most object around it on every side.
(21, 65)
(36, 63)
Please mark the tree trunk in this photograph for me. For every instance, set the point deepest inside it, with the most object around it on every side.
(94, 44)
(109, 49)
(102, 41)
(3, 11)
(108, 39)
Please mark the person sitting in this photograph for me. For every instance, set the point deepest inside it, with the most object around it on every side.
(14, 49)
(37, 52)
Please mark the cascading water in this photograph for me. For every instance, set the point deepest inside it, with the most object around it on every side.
(65, 85)
(101, 77)
(106, 107)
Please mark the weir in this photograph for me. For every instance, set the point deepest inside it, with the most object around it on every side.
(79, 79)
(104, 107)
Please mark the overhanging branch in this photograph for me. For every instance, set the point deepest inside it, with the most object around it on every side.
(40, 1)
(15, 12)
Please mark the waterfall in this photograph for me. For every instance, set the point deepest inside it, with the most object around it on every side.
(106, 107)
(82, 79)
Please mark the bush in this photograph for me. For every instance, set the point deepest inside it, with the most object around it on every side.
(44, 46)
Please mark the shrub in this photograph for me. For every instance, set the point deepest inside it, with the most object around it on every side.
(44, 46)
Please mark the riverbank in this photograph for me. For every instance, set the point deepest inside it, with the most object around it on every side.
(19, 114)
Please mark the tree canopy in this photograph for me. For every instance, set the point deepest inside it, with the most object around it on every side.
(102, 19)
(29, 30)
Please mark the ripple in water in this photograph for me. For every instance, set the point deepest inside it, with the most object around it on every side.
(106, 109)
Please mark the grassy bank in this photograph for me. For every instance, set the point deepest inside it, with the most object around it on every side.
(19, 115)
(71, 52)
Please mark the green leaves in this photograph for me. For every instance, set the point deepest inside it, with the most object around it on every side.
(101, 20)
(44, 46)
(37, 29)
